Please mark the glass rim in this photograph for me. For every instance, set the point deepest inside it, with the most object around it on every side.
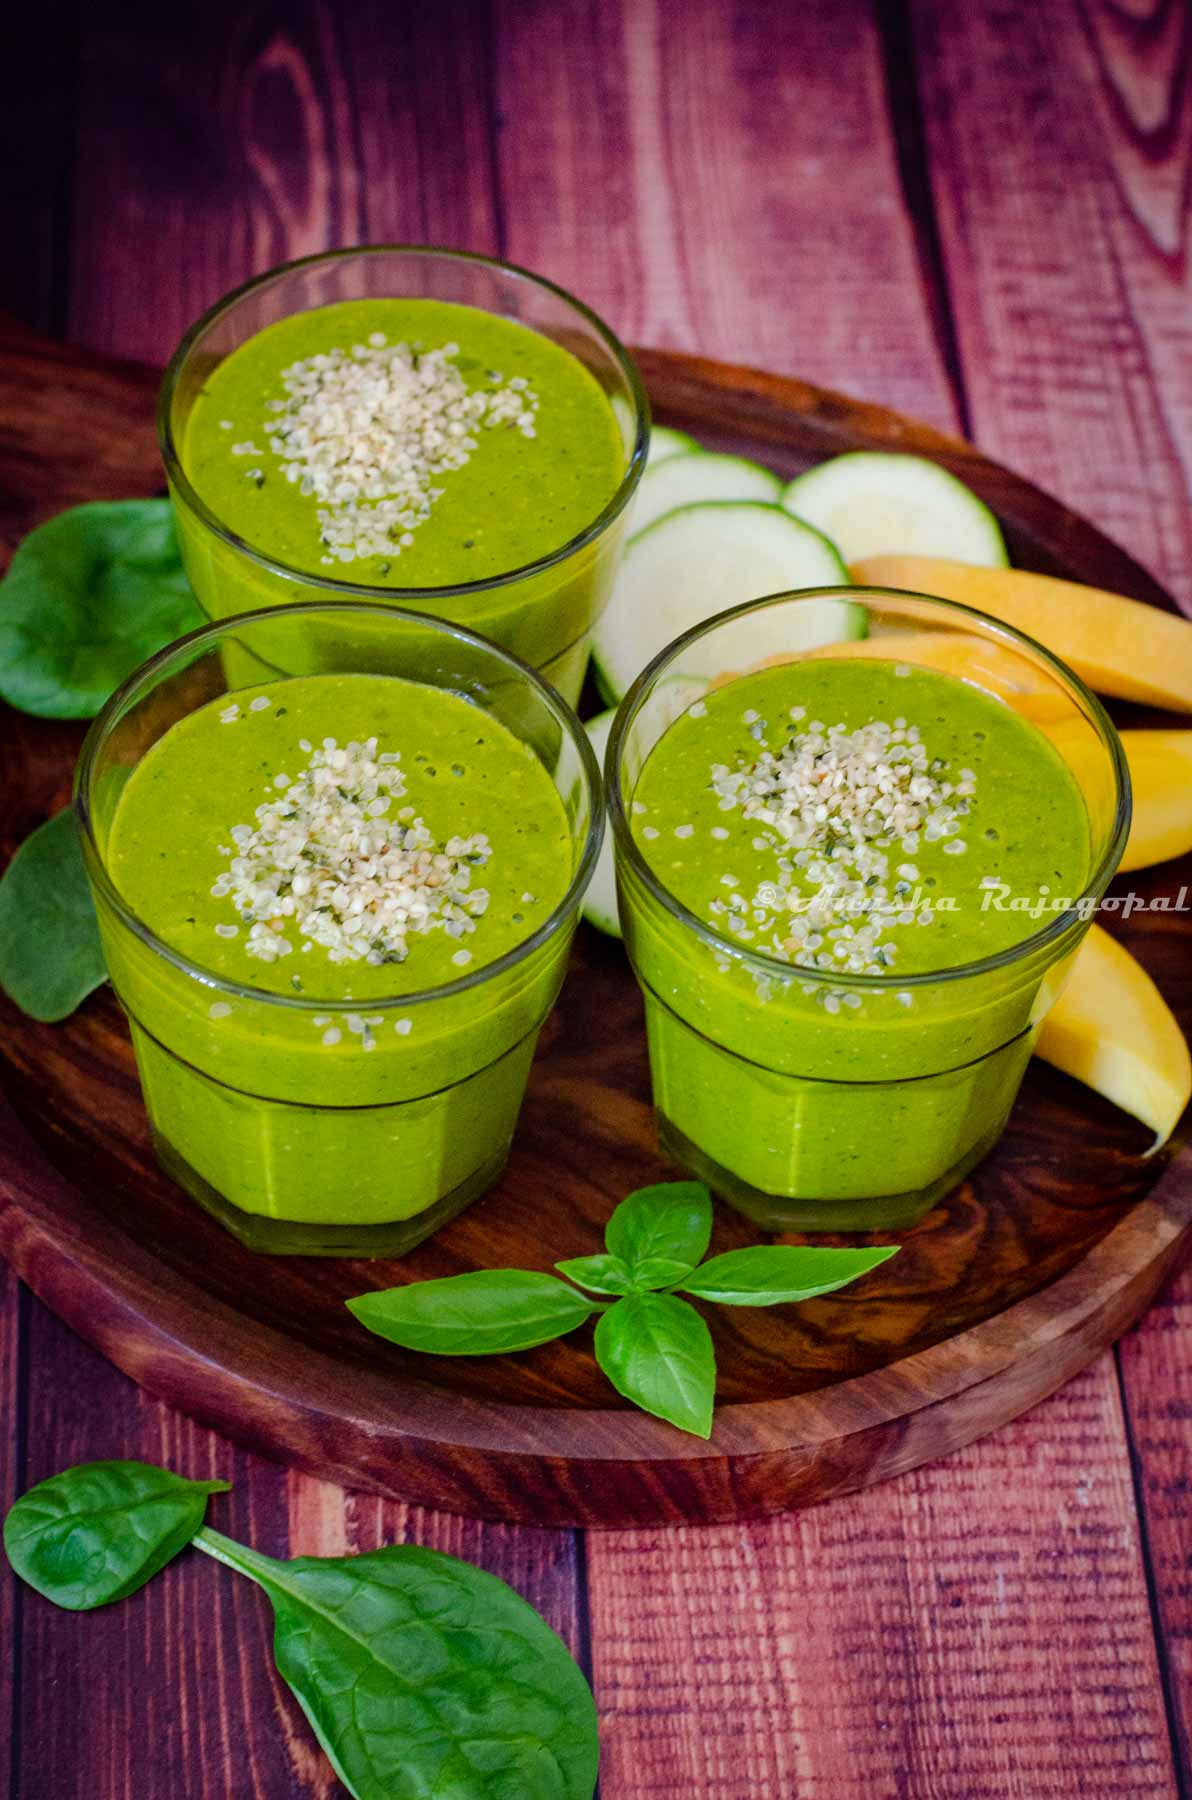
(336, 586)
(140, 683)
(772, 967)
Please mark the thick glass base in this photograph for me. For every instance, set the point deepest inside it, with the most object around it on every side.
(781, 1212)
(291, 1237)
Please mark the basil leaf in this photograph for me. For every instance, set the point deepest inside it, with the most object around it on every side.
(422, 1675)
(660, 1272)
(50, 955)
(769, 1274)
(672, 1219)
(479, 1314)
(601, 1274)
(87, 597)
(657, 1352)
(100, 1531)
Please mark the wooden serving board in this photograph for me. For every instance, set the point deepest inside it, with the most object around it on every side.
(1027, 1271)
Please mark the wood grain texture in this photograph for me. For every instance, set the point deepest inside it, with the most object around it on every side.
(14, 1304)
(977, 1629)
(721, 179)
(1061, 144)
(236, 138)
(1059, 139)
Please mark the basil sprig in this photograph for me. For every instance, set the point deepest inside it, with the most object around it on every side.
(50, 955)
(420, 1674)
(655, 1348)
(87, 597)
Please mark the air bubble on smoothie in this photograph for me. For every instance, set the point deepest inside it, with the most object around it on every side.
(219, 1010)
(403, 1027)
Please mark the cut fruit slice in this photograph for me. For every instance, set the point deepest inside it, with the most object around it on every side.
(665, 442)
(1118, 646)
(694, 563)
(1161, 780)
(871, 503)
(688, 480)
(1160, 764)
(600, 902)
(1112, 1029)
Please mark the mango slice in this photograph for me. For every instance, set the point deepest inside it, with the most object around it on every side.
(1161, 777)
(1119, 646)
(1112, 1029)
(1160, 765)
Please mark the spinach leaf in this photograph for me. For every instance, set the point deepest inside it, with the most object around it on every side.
(478, 1314)
(100, 1531)
(599, 1274)
(672, 1219)
(657, 1351)
(87, 597)
(424, 1676)
(50, 955)
(770, 1274)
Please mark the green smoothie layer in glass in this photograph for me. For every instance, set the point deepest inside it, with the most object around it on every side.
(344, 840)
(844, 819)
(294, 430)
(403, 445)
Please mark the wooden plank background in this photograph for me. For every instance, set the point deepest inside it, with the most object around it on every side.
(974, 211)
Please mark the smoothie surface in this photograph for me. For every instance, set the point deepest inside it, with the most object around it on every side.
(304, 462)
(855, 816)
(278, 832)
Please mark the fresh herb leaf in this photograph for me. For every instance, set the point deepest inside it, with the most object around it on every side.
(87, 597)
(657, 1351)
(50, 955)
(660, 1272)
(423, 1675)
(419, 1673)
(479, 1314)
(773, 1274)
(672, 1219)
(100, 1531)
(655, 1348)
(599, 1274)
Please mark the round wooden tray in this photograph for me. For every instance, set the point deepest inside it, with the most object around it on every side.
(1028, 1270)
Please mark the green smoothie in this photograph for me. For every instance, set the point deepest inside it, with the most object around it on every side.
(405, 444)
(338, 842)
(845, 820)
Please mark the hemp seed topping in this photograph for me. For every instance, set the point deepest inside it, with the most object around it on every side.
(366, 431)
(836, 801)
(325, 861)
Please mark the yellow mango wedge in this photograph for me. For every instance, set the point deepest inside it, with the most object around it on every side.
(1160, 764)
(1112, 1029)
(1161, 778)
(1119, 646)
